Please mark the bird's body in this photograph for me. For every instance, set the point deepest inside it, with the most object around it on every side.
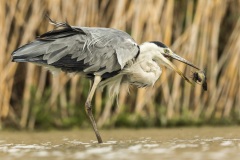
(107, 56)
(93, 51)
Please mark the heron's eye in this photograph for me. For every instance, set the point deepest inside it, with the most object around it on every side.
(166, 51)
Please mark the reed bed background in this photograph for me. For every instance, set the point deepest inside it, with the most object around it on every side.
(206, 32)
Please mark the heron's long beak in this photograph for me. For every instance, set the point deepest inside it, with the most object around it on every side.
(177, 57)
(166, 62)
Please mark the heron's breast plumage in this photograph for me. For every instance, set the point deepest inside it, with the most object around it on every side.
(143, 73)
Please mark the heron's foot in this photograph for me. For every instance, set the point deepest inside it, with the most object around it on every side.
(88, 109)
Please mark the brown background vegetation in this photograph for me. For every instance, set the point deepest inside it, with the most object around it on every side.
(204, 32)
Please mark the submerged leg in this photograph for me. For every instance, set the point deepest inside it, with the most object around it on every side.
(88, 107)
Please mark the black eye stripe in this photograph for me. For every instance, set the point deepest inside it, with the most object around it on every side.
(160, 44)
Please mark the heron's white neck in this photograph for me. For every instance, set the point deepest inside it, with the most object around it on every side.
(145, 70)
(150, 51)
(148, 47)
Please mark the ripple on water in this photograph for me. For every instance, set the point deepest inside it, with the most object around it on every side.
(41, 154)
(189, 147)
(110, 142)
(184, 146)
(227, 143)
(135, 148)
(76, 142)
(99, 150)
(33, 146)
(150, 145)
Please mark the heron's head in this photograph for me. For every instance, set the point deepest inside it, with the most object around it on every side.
(161, 54)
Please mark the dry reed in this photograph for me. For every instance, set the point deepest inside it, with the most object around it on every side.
(205, 32)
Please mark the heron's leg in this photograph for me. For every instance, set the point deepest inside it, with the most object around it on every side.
(88, 107)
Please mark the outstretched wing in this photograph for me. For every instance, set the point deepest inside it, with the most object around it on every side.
(73, 49)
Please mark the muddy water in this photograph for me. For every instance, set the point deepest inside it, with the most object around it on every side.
(182, 143)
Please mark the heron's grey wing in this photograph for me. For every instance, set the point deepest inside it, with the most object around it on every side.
(51, 46)
(90, 50)
(106, 43)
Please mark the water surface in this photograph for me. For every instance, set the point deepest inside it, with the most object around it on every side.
(181, 143)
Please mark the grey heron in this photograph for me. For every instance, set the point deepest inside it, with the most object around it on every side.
(109, 57)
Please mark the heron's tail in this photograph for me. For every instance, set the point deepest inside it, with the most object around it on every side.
(31, 52)
(43, 49)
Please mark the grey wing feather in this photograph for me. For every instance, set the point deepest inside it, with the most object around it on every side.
(111, 42)
(91, 50)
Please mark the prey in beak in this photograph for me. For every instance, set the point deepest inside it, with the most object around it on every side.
(199, 76)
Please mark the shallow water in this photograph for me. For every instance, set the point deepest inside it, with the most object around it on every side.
(181, 143)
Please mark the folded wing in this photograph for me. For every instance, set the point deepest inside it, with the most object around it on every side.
(90, 50)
